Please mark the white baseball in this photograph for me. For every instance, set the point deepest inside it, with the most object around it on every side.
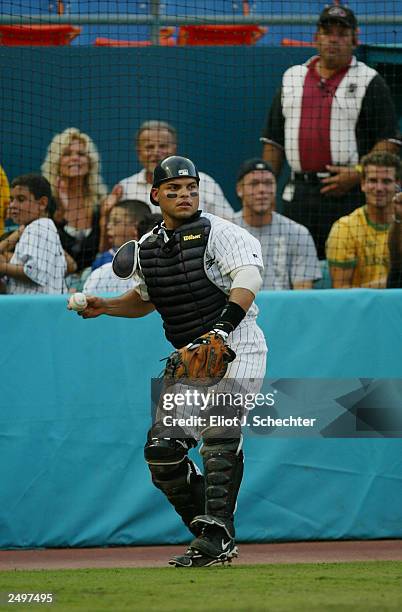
(78, 302)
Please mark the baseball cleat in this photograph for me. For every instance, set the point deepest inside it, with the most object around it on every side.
(211, 547)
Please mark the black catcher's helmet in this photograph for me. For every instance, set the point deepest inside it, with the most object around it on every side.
(173, 166)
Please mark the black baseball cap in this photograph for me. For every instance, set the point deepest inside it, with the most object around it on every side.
(255, 163)
(341, 14)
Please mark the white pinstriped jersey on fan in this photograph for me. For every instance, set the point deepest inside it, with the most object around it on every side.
(288, 251)
(40, 252)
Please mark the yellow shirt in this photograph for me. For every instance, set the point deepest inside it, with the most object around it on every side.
(355, 242)
(4, 198)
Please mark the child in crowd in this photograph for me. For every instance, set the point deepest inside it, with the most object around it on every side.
(121, 225)
(124, 223)
(38, 264)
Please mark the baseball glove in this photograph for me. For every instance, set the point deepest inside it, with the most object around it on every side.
(203, 362)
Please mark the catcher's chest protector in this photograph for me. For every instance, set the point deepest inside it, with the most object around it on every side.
(188, 302)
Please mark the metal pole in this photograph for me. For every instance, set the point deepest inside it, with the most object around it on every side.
(155, 19)
(155, 26)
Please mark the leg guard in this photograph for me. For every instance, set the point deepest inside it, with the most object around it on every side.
(223, 469)
(176, 476)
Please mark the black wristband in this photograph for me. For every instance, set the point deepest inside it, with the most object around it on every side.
(232, 315)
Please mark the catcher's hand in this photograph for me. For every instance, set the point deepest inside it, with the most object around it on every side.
(203, 362)
(95, 307)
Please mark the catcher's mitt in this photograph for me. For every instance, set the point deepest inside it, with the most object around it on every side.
(203, 362)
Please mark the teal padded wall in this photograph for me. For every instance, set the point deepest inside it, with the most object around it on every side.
(74, 411)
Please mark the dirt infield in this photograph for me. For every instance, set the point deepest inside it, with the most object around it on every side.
(157, 556)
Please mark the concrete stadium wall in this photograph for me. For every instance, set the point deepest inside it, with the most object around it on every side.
(75, 408)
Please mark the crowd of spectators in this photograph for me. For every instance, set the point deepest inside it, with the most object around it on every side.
(333, 121)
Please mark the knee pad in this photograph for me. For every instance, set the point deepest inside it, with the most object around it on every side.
(166, 451)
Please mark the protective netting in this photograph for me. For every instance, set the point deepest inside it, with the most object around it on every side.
(81, 81)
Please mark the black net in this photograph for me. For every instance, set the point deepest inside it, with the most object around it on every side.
(95, 93)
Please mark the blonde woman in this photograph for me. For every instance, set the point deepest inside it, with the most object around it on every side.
(72, 167)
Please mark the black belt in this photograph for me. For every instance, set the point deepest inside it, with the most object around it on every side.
(310, 177)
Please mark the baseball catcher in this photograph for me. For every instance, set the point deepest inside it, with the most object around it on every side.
(201, 273)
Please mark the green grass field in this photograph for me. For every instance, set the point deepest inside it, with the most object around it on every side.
(370, 586)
